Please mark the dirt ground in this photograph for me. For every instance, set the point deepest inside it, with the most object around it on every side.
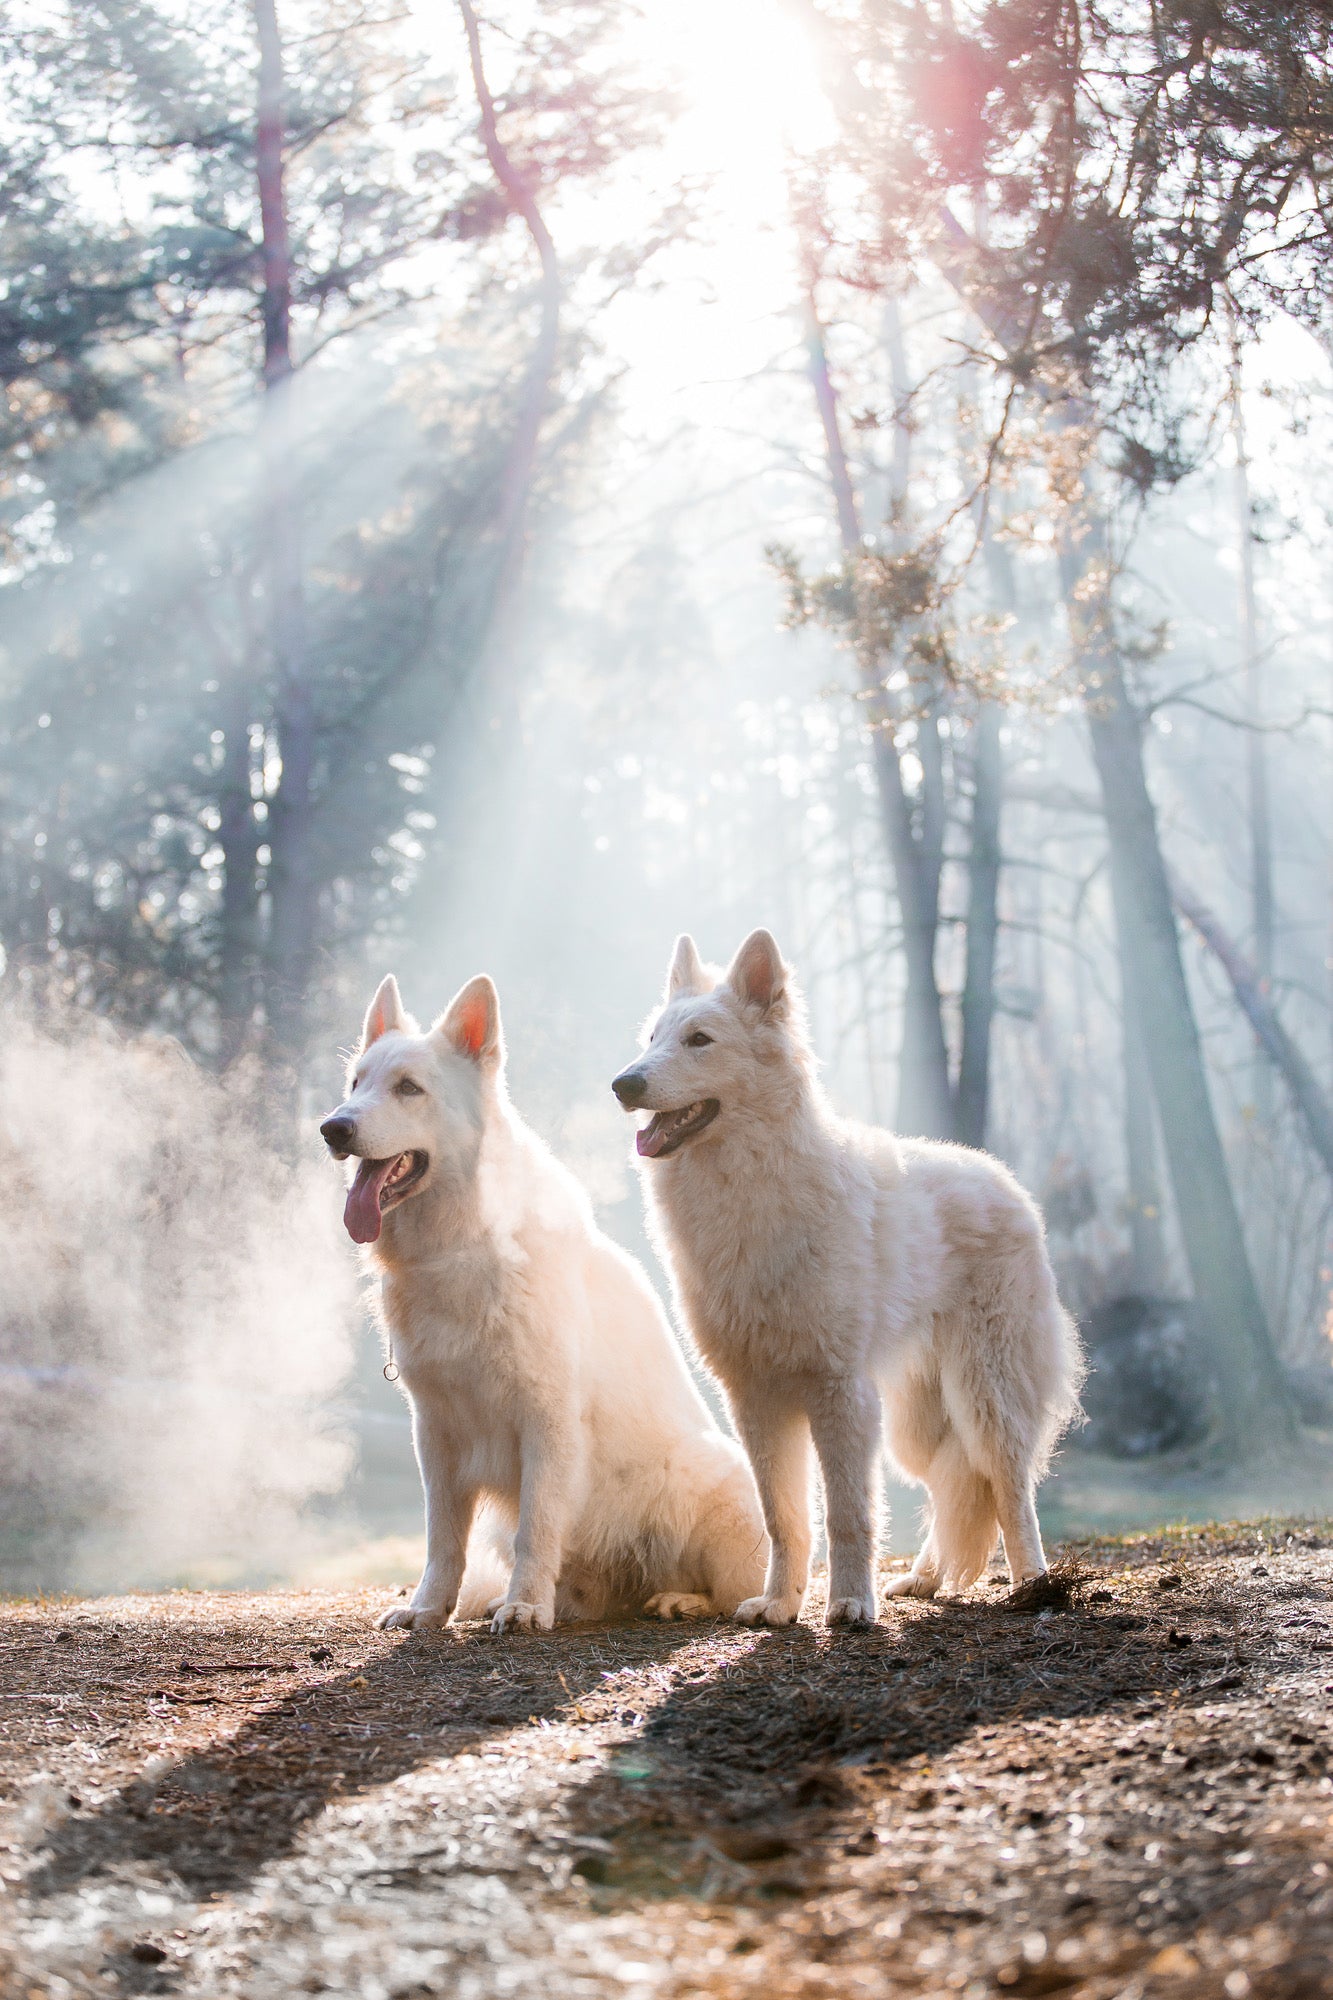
(1128, 1793)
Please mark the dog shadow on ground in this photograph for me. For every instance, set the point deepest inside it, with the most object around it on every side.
(791, 1742)
(217, 1816)
(757, 1736)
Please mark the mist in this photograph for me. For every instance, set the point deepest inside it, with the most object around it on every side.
(176, 1317)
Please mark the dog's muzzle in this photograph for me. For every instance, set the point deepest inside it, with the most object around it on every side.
(338, 1135)
(630, 1087)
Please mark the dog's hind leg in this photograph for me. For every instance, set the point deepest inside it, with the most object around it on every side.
(1017, 1510)
(1017, 1447)
(725, 1554)
(996, 1409)
(924, 1577)
(1000, 1465)
(669, 1604)
(917, 1427)
(490, 1557)
(963, 1525)
(844, 1421)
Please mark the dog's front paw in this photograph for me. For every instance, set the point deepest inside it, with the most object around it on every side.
(768, 1611)
(411, 1618)
(914, 1584)
(678, 1604)
(520, 1617)
(850, 1611)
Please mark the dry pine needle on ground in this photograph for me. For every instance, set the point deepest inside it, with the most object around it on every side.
(1126, 1791)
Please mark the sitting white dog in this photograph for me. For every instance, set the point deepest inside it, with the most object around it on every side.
(552, 1410)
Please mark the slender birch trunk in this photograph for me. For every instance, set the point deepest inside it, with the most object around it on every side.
(1262, 909)
(931, 811)
(238, 837)
(1147, 1239)
(983, 924)
(924, 1099)
(983, 882)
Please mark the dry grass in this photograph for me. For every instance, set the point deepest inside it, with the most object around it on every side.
(1127, 1792)
(1053, 1590)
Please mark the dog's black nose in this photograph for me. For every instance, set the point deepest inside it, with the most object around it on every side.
(630, 1087)
(338, 1134)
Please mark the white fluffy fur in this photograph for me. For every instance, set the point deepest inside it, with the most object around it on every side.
(832, 1275)
(555, 1422)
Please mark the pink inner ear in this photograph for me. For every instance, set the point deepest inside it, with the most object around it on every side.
(759, 976)
(473, 1022)
(378, 1021)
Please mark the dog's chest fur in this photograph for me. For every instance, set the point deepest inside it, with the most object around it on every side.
(770, 1256)
(459, 1326)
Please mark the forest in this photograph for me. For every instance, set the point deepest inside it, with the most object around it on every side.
(488, 488)
(497, 493)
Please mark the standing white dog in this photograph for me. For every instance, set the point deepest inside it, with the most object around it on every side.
(823, 1267)
(543, 1377)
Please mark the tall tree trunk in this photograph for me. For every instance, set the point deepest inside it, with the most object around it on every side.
(1147, 1243)
(924, 1103)
(1254, 1404)
(931, 811)
(1256, 749)
(1308, 1094)
(983, 923)
(294, 888)
(983, 879)
(924, 1100)
(237, 983)
(238, 837)
(847, 815)
(900, 384)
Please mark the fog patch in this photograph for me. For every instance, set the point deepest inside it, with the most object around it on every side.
(176, 1308)
(594, 1141)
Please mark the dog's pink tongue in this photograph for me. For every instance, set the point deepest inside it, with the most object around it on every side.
(650, 1140)
(361, 1216)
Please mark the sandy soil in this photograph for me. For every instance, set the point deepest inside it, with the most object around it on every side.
(1128, 1794)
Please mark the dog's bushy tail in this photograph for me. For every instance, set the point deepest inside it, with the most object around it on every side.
(964, 1522)
(1064, 1410)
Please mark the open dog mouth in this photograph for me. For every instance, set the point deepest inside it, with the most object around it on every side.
(378, 1186)
(666, 1130)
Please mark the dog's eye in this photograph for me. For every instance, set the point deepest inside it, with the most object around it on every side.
(406, 1088)
(698, 1040)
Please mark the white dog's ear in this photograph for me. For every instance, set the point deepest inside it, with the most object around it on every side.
(757, 973)
(471, 1023)
(687, 973)
(385, 1012)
